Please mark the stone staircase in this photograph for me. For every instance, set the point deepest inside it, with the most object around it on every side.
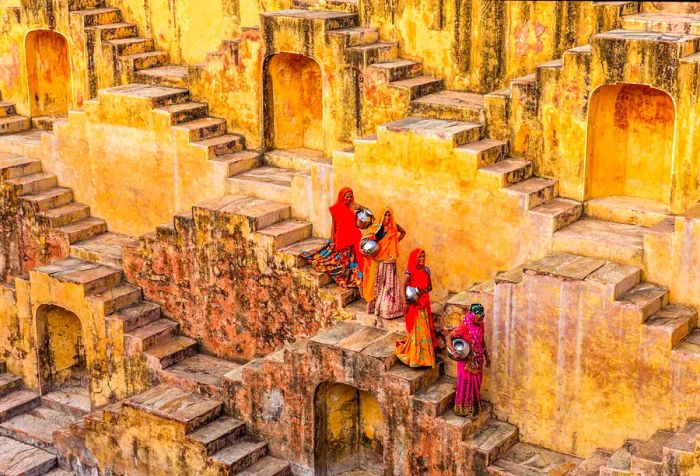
(28, 422)
(10, 121)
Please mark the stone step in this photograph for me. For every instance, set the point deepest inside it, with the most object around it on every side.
(295, 250)
(138, 315)
(458, 132)
(203, 128)
(119, 297)
(190, 410)
(242, 454)
(99, 16)
(529, 460)
(268, 183)
(486, 151)
(357, 35)
(648, 457)
(92, 277)
(17, 402)
(268, 466)
(84, 229)
(140, 61)
(671, 325)
(451, 105)
(9, 383)
(36, 427)
(627, 210)
(591, 465)
(157, 96)
(460, 428)
(682, 444)
(621, 460)
(222, 145)
(66, 214)
(645, 298)
(34, 183)
(341, 296)
(259, 213)
(397, 70)
(601, 239)
(172, 351)
(131, 46)
(59, 472)
(14, 124)
(379, 52)
(492, 441)
(71, 400)
(143, 337)
(47, 123)
(200, 374)
(533, 192)
(14, 166)
(285, 233)
(106, 248)
(506, 172)
(239, 162)
(328, 20)
(170, 75)
(414, 379)
(20, 459)
(218, 434)
(690, 345)
(7, 109)
(296, 159)
(669, 45)
(662, 22)
(419, 86)
(437, 399)
(114, 31)
(558, 212)
(183, 112)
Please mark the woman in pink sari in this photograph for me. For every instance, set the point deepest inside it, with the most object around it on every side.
(470, 370)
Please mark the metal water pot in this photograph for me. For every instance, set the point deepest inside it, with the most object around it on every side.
(365, 218)
(462, 349)
(369, 247)
(412, 294)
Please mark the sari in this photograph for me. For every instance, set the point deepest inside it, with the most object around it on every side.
(418, 348)
(380, 281)
(340, 257)
(470, 372)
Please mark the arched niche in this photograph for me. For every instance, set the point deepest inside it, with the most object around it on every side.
(48, 73)
(349, 431)
(295, 102)
(630, 142)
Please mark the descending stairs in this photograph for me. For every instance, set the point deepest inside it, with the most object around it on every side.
(10, 121)
(28, 422)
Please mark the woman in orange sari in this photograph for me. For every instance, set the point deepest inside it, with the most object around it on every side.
(340, 256)
(418, 348)
(380, 281)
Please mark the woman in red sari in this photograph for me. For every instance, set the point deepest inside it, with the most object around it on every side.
(340, 256)
(418, 348)
(470, 371)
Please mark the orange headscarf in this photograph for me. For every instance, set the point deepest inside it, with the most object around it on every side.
(388, 251)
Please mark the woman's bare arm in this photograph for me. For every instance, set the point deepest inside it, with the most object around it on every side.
(401, 231)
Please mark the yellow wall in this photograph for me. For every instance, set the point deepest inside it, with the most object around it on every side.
(630, 142)
(62, 354)
(297, 98)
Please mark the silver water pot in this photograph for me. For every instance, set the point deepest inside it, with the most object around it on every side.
(365, 218)
(369, 247)
(462, 349)
(412, 294)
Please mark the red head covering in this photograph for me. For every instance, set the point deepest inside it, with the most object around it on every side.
(420, 278)
(346, 231)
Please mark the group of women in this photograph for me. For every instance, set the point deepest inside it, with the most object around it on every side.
(377, 279)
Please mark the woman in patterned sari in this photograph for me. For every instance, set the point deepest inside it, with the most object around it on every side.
(380, 280)
(470, 371)
(340, 256)
(418, 348)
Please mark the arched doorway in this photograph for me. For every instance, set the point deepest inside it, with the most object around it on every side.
(297, 102)
(48, 73)
(630, 143)
(350, 431)
(61, 348)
